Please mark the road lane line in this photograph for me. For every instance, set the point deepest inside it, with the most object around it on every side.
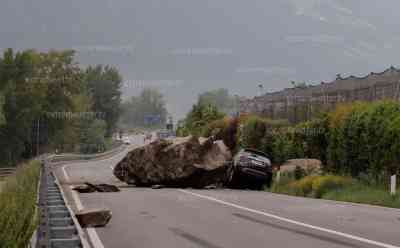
(77, 200)
(93, 236)
(65, 173)
(322, 229)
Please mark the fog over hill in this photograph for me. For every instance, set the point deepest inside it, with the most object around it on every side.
(188, 46)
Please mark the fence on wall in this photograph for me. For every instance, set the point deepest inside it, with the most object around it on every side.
(303, 103)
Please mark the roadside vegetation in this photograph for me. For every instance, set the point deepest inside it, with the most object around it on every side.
(49, 101)
(146, 111)
(18, 210)
(335, 187)
(358, 145)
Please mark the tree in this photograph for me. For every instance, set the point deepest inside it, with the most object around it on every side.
(219, 98)
(43, 101)
(198, 118)
(146, 109)
(104, 84)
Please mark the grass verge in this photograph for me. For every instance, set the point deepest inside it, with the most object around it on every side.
(365, 194)
(18, 215)
(337, 188)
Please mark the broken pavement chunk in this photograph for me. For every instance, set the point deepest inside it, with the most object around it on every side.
(94, 217)
(90, 188)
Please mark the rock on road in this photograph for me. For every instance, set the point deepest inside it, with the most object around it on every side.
(226, 218)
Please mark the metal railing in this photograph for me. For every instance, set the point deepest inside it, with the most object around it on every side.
(56, 225)
(82, 157)
(6, 172)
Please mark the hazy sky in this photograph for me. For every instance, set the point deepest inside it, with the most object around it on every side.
(188, 46)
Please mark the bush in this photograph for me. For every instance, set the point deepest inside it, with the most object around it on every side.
(299, 173)
(303, 187)
(198, 118)
(18, 217)
(312, 186)
(323, 184)
(253, 130)
(365, 139)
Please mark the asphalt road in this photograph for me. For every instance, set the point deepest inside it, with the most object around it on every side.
(225, 218)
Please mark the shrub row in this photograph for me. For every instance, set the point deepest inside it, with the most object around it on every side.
(365, 138)
(355, 139)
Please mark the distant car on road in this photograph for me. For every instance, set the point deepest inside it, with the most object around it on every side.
(126, 141)
(165, 134)
(250, 169)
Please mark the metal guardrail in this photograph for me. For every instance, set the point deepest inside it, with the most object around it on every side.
(6, 172)
(83, 157)
(56, 225)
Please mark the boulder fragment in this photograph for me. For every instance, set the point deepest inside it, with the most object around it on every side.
(311, 166)
(84, 189)
(180, 162)
(90, 188)
(94, 217)
(104, 187)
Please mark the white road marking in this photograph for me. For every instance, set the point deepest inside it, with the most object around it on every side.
(94, 237)
(77, 200)
(65, 174)
(349, 236)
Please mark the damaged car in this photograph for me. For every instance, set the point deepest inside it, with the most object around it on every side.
(250, 168)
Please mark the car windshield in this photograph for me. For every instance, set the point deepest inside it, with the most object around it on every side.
(199, 123)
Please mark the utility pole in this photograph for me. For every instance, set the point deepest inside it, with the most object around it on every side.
(393, 185)
(261, 89)
(37, 137)
(237, 105)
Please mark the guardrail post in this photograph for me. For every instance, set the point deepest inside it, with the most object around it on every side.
(393, 185)
(43, 240)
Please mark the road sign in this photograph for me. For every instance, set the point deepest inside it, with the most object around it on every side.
(152, 119)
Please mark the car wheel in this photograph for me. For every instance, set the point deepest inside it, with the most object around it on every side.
(231, 176)
(268, 182)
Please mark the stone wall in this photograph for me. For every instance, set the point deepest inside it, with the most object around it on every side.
(301, 103)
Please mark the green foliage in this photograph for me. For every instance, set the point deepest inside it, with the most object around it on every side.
(18, 215)
(104, 84)
(93, 137)
(299, 173)
(42, 98)
(219, 98)
(311, 138)
(197, 120)
(366, 140)
(252, 131)
(328, 183)
(313, 186)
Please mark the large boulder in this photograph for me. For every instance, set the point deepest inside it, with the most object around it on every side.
(180, 162)
(311, 166)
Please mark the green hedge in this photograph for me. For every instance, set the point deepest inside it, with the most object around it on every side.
(366, 140)
(18, 213)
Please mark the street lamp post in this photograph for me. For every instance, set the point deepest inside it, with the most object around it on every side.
(261, 89)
